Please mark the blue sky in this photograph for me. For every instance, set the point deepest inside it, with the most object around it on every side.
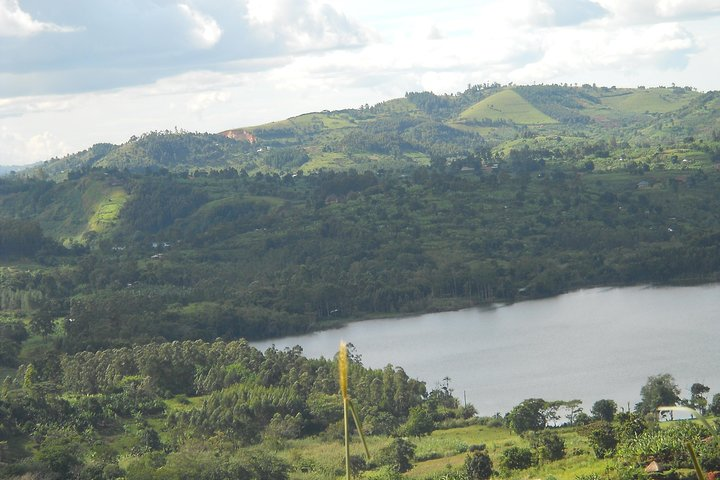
(79, 72)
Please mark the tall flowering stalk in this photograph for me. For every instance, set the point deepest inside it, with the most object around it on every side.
(348, 406)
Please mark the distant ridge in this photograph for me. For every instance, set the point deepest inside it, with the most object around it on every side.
(416, 130)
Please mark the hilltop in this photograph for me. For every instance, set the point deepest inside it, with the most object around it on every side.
(610, 126)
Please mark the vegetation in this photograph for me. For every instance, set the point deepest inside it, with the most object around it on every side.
(131, 275)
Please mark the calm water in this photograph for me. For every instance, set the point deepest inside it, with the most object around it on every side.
(590, 344)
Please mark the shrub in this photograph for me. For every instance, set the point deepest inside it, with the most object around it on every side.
(603, 440)
(548, 445)
(397, 455)
(516, 458)
(478, 466)
(419, 422)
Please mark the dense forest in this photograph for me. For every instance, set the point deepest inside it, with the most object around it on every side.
(132, 276)
(230, 255)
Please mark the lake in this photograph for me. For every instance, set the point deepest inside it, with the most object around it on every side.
(588, 345)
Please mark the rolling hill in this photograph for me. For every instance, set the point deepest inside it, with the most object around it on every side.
(422, 128)
(509, 106)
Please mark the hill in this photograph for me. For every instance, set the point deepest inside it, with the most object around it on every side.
(508, 106)
(423, 127)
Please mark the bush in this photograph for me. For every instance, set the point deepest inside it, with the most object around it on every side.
(419, 422)
(603, 440)
(397, 455)
(478, 466)
(548, 445)
(516, 458)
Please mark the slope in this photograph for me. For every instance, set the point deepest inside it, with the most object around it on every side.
(506, 105)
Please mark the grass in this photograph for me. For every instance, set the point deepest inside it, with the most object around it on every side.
(506, 105)
(107, 210)
(652, 100)
(324, 458)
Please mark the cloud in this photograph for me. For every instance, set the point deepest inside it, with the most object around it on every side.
(205, 29)
(22, 150)
(651, 11)
(304, 24)
(15, 107)
(136, 42)
(14, 22)
(202, 101)
(622, 49)
(575, 12)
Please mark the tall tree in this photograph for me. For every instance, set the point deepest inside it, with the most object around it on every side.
(659, 390)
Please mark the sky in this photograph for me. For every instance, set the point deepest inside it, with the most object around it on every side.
(78, 72)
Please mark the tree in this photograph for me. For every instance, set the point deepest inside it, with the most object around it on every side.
(478, 466)
(397, 455)
(697, 396)
(715, 404)
(516, 458)
(573, 407)
(603, 440)
(419, 422)
(528, 416)
(604, 410)
(547, 445)
(42, 322)
(58, 453)
(660, 390)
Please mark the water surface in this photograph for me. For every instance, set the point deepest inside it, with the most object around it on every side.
(589, 344)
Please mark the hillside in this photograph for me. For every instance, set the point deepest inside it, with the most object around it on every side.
(507, 106)
(423, 128)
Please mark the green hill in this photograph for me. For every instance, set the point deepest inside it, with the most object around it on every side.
(651, 100)
(423, 127)
(506, 105)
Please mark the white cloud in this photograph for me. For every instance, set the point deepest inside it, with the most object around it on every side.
(22, 150)
(304, 24)
(626, 49)
(202, 101)
(649, 11)
(14, 22)
(137, 42)
(205, 31)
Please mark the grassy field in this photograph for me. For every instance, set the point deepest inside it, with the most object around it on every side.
(506, 105)
(652, 100)
(107, 209)
(442, 452)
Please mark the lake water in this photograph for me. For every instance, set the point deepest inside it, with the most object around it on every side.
(589, 344)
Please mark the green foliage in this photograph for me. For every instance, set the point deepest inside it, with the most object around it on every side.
(58, 453)
(264, 255)
(516, 458)
(478, 466)
(527, 416)
(604, 410)
(20, 238)
(630, 424)
(548, 446)
(697, 397)
(660, 390)
(397, 455)
(419, 422)
(666, 445)
(603, 439)
(715, 404)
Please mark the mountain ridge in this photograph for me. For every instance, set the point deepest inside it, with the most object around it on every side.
(414, 130)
